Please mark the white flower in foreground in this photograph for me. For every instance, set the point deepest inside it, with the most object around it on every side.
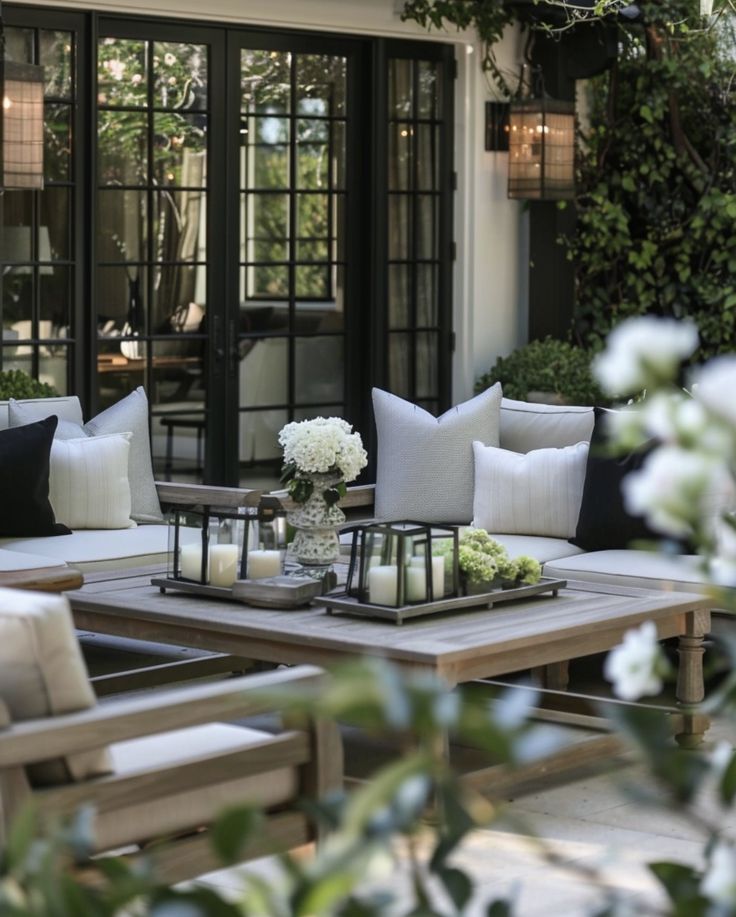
(715, 385)
(635, 666)
(719, 881)
(675, 489)
(643, 351)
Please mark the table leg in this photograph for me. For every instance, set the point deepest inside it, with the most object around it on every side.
(690, 684)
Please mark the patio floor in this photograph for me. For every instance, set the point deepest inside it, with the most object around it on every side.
(597, 836)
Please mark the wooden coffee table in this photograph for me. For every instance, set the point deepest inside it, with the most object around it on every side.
(585, 618)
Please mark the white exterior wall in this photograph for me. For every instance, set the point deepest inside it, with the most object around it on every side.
(490, 301)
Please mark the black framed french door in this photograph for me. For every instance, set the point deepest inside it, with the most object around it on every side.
(256, 225)
(296, 298)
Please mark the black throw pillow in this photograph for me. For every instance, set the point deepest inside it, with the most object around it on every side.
(25, 510)
(604, 523)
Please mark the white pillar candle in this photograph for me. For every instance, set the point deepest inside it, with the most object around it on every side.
(383, 584)
(223, 564)
(438, 576)
(263, 563)
(190, 562)
(416, 583)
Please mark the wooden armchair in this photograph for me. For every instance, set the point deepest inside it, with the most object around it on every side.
(156, 768)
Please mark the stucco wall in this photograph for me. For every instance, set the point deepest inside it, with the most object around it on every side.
(490, 299)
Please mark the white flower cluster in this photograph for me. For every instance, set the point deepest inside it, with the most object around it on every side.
(635, 667)
(686, 487)
(321, 445)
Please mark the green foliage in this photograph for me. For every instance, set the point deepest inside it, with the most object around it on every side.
(545, 366)
(656, 208)
(372, 822)
(14, 383)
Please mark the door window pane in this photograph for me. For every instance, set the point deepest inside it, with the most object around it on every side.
(57, 142)
(319, 376)
(55, 230)
(179, 75)
(122, 223)
(55, 299)
(122, 147)
(400, 89)
(264, 372)
(55, 55)
(265, 81)
(122, 72)
(179, 298)
(399, 364)
(399, 279)
(429, 98)
(180, 149)
(180, 226)
(320, 84)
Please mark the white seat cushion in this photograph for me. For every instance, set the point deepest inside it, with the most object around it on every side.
(184, 811)
(537, 546)
(16, 560)
(629, 567)
(103, 549)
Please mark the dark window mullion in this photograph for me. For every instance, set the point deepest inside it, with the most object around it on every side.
(414, 221)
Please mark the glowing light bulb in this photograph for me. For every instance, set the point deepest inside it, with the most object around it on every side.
(7, 103)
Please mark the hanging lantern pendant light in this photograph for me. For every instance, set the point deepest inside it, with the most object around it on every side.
(541, 148)
(21, 123)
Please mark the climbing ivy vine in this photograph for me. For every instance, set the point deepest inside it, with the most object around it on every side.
(656, 204)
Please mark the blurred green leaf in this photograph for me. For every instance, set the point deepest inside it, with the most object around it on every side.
(233, 831)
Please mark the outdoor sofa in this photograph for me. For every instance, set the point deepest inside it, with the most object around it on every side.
(523, 427)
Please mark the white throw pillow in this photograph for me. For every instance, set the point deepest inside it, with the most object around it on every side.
(425, 463)
(88, 481)
(128, 414)
(537, 493)
(131, 414)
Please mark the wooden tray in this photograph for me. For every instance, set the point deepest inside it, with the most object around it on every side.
(347, 605)
(284, 592)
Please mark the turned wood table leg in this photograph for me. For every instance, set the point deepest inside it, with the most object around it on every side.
(690, 684)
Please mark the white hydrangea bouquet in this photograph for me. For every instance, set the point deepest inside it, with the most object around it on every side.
(322, 446)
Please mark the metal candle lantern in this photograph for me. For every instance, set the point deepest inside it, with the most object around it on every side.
(542, 149)
(212, 546)
(394, 564)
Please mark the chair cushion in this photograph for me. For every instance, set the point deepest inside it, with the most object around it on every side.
(425, 463)
(526, 426)
(88, 482)
(538, 493)
(103, 549)
(131, 415)
(543, 549)
(42, 673)
(25, 509)
(638, 569)
(66, 408)
(184, 811)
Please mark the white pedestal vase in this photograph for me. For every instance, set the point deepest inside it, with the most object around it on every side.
(316, 542)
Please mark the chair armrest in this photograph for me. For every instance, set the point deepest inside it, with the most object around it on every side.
(129, 718)
(190, 494)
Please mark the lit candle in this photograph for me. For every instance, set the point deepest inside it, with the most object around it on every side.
(190, 562)
(383, 584)
(223, 564)
(416, 583)
(438, 578)
(263, 563)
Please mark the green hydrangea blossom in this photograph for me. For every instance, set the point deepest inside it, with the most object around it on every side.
(482, 559)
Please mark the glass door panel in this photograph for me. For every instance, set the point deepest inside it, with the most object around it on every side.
(37, 264)
(291, 328)
(418, 230)
(151, 245)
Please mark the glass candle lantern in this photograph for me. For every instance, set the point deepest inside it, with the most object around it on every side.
(403, 563)
(214, 546)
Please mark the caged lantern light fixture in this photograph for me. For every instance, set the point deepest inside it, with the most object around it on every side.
(541, 148)
(21, 123)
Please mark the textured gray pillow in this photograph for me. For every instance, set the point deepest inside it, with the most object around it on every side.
(22, 412)
(131, 415)
(526, 426)
(425, 463)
